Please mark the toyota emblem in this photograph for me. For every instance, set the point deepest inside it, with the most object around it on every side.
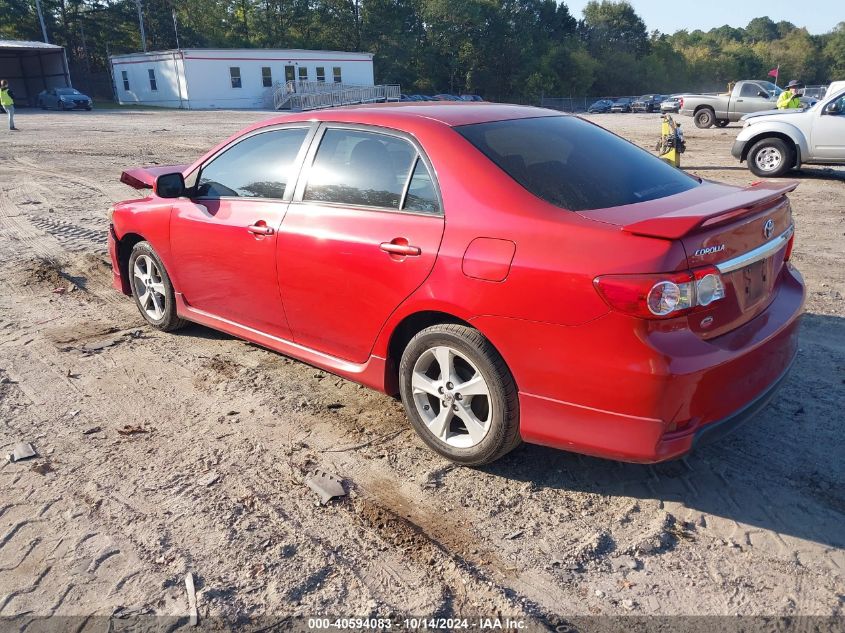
(768, 228)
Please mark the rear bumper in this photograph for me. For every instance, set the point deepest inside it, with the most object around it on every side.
(641, 395)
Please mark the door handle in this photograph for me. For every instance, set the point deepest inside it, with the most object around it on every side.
(400, 247)
(260, 228)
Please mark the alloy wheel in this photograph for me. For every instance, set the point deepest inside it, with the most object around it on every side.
(149, 287)
(452, 397)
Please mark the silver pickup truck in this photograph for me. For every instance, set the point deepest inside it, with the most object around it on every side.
(772, 143)
(746, 97)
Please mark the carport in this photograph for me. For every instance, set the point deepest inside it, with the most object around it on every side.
(31, 67)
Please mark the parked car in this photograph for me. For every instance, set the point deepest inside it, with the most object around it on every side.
(772, 143)
(64, 99)
(621, 105)
(446, 97)
(471, 98)
(815, 92)
(745, 98)
(583, 294)
(647, 103)
(670, 104)
(600, 106)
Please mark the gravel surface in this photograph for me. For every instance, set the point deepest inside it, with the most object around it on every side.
(164, 454)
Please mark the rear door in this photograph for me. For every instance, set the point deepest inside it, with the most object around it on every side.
(224, 238)
(361, 234)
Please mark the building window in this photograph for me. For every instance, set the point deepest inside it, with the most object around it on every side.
(266, 77)
(303, 73)
(337, 78)
(235, 75)
(152, 73)
(125, 77)
(321, 73)
(290, 73)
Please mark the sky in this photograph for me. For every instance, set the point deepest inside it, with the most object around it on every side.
(818, 16)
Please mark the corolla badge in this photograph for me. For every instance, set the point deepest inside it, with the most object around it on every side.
(709, 250)
(768, 228)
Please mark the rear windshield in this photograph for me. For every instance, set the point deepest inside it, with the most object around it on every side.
(574, 164)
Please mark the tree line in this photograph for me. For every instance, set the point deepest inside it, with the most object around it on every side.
(517, 50)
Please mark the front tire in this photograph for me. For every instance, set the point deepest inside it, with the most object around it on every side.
(770, 157)
(705, 118)
(459, 394)
(152, 289)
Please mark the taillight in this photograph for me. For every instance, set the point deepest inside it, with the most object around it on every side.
(789, 244)
(661, 296)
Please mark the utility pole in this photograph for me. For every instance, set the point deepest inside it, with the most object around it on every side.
(141, 22)
(41, 20)
(176, 30)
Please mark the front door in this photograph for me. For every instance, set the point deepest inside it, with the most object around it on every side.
(749, 99)
(828, 137)
(360, 236)
(224, 238)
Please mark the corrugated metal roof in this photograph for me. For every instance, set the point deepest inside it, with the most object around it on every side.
(23, 45)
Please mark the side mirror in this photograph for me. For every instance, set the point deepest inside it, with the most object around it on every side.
(763, 93)
(833, 108)
(170, 186)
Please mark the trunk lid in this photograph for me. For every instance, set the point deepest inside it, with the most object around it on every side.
(145, 177)
(743, 232)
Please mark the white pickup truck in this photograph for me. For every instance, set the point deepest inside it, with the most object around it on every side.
(772, 143)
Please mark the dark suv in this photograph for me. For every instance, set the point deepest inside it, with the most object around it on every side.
(647, 103)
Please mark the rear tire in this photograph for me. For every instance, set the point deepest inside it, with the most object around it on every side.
(705, 118)
(459, 394)
(770, 158)
(152, 289)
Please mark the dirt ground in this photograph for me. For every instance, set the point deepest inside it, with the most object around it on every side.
(164, 454)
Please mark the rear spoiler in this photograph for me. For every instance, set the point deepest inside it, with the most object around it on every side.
(676, 224)
(145, 177)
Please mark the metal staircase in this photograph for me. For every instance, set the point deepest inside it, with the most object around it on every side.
(299, 96)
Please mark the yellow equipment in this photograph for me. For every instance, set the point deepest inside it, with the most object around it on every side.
(671, 144)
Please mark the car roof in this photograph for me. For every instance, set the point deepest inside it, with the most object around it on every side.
(450, 113)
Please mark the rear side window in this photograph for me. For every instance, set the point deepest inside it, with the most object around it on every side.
(574, 164)
(421, 196)
(360, 168)
(257, 167)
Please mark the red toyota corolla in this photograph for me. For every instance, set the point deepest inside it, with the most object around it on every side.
(514, 273)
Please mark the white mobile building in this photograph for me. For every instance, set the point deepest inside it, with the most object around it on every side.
(225, 78)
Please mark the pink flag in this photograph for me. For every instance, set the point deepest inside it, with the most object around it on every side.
(774, 72)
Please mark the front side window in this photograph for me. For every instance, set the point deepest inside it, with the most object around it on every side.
(266, 77)
(337, 76)
(125, 77)
(360, 168)
(303, 73)
(257, 167)
(321, 73)
(152, 74)
(750, 90)
(235, 76)
(574, 164)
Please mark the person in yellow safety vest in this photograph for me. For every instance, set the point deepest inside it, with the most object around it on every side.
(8, 102)
(789, 98)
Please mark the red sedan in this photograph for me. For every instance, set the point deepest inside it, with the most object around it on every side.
(514, 273)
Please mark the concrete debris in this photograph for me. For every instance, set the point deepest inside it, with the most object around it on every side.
(22, 450)
(210, 479)
(326, 485)
(193, 614)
